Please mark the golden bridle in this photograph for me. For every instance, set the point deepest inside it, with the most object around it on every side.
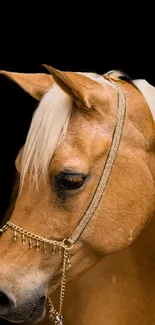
(64, 247)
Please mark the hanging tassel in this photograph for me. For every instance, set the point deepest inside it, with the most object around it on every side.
(44, 247)
(15, 235)
(23, 239)
(54, 248)
(30, 243)
(37, 245)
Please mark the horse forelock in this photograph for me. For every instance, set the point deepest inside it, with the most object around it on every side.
(48, 127)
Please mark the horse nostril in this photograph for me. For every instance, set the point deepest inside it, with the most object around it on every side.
(4, 300)
(6, 303)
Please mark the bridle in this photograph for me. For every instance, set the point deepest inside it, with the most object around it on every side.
(64, 247)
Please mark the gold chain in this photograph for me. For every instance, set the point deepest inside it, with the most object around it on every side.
(55, 316)
(36, 237)
(63, 282)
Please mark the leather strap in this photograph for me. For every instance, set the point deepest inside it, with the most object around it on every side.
(106, 170)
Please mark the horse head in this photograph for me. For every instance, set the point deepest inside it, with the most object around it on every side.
(86, 184)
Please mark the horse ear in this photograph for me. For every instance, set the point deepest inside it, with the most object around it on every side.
(80, 87)
(35, 84)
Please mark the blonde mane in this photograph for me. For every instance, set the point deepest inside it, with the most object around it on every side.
(48, 128)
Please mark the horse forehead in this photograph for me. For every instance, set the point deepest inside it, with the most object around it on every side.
(81, 147)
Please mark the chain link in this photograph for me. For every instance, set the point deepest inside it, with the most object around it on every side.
(63, 281)
(53, 314)
(5, 227)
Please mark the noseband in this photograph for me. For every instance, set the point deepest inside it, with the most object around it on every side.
(64, 247)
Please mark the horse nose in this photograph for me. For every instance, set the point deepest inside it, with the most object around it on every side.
(6, 303)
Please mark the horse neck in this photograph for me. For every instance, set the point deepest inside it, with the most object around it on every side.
(143, 249)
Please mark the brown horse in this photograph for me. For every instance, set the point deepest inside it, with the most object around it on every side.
(74, 186)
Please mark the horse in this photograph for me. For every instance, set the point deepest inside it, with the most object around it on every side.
(85, 202)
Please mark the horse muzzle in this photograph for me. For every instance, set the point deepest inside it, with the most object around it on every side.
(31, 311)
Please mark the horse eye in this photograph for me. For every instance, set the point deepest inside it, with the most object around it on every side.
(70, 181)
